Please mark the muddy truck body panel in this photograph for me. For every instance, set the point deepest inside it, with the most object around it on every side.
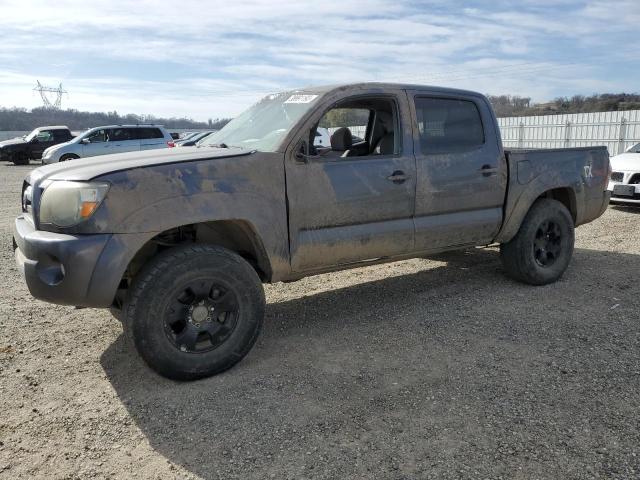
(575, 175)
(291, 210)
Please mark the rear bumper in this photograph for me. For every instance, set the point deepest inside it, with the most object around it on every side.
(634, 201)
(57, 267)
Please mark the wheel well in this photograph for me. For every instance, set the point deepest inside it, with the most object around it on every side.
(566, 196)
(235, 235)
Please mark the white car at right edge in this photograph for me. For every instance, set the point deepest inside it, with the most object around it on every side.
(625, 179)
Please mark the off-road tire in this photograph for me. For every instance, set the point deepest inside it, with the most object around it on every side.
(68, 156)
(521, 256)
(150, 297)
(20, 158)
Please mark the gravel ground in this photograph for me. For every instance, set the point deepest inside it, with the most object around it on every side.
(438, 368)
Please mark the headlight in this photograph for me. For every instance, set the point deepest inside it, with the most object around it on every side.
(68, 203)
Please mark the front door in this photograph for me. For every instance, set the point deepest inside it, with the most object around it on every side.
(96, 143)
(40, 143)
(354, 200)
(461, 171)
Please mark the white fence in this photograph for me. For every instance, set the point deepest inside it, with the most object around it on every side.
(615, 130)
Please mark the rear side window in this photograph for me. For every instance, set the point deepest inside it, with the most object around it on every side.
(120, 134)
(448, 125)
(61, 134)
(146, 133)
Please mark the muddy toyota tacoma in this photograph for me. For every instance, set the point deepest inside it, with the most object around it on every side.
(178, 242)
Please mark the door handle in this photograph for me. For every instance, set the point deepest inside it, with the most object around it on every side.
(488, 170)
(398, 177)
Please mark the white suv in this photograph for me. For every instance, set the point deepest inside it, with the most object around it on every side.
(625, 179)
(109, 139)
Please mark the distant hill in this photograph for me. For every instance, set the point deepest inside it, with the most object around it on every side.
(514, 106)
(21, 119)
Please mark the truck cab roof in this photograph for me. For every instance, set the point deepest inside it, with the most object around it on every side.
(323, 89)
(53, 127)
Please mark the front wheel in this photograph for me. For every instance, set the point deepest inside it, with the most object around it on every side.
(20, 158)
(542, 249)
(194, 311)
(69, 156)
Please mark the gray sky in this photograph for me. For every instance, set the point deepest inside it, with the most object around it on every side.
(213, 59)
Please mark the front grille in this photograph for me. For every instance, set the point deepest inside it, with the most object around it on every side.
(617, 176)
(635, 179)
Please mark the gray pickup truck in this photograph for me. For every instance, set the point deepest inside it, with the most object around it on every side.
(178, 242)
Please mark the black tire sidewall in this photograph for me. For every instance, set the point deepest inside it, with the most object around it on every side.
(151, 296)
(64, 158)
(20, 158)
(524, 266)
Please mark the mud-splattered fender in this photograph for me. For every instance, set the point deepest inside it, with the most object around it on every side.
(153, 199)
(582, 171)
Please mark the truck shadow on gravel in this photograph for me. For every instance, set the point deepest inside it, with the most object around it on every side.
(626, 208)
(412, 374)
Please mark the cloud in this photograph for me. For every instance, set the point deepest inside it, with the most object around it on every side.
(215, 58)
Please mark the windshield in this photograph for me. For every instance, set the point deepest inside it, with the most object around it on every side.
(634, 149)
(31, 136)
(263, 126)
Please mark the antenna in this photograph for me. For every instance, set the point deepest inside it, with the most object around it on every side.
(43, 94)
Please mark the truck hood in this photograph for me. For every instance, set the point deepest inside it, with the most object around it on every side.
(13, 141)
(84, 169)
(626, 162)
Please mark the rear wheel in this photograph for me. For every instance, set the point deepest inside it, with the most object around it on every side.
(20, 158)
(542, 249)
(194, 311)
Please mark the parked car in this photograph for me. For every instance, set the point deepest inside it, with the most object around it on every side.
(193, 139)
(108, 140)
(31, 146)
(625, 179)
(177, 242)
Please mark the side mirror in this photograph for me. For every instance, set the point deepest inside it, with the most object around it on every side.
(86, 141)
(301, 153)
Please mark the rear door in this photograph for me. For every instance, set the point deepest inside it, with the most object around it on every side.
(461, 170)
(123, 139)
(345, 209)
(151, 138)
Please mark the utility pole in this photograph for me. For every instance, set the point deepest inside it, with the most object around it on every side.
(43, 94)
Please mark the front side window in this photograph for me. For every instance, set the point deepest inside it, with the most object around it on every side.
(97, 136)
(358, 127)
(448, 125)
(264, 126)
(44, 136)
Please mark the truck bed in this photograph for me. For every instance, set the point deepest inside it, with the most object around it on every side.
(581, 173)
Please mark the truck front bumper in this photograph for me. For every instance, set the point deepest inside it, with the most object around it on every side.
(58, 268)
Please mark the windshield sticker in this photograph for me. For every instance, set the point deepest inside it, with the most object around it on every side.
(301, 98)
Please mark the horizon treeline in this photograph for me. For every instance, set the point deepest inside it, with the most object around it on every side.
(22, 119)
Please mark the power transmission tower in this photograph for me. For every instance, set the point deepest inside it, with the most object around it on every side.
(43, 94)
